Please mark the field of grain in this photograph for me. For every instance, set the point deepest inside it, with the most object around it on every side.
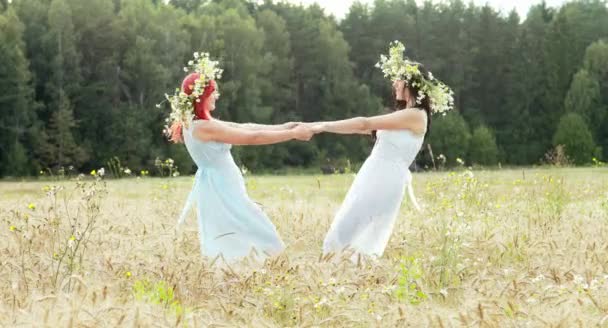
(510, 248)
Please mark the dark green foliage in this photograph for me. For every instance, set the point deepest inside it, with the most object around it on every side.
(80, 79)
(574, 135)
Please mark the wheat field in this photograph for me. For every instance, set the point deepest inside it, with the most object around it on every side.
(508, 248)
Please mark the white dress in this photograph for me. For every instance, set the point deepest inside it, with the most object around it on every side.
(366, 218)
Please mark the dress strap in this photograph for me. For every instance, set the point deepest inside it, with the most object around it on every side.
(190, 198)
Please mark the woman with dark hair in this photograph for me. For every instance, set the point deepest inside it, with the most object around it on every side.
(365, 220)
(231, 225)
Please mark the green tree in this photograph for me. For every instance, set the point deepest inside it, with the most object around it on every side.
(596, 62)
(65, 56)
(583, 98)
(523, 135)
(17, 109)
(64, 82)
(574, 27)
(187, 5)
(596, 59)
(63, 150)
(277, 92)
(277, 89)
(574, 135)
(153, 47)
(450, 136)
(483, 149)
(112, 60)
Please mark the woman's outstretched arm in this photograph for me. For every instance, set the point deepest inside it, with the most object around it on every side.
(413, 120)
(227, 133)
(267, 127)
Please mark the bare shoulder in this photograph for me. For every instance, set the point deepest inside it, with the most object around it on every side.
(204, 124)
(414, 119)
(410, 114)
(224, 123)
(415, 112)
(204, 129)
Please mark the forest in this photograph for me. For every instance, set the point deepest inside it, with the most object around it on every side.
(81, 80)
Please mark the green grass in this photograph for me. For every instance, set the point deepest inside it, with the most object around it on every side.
(520, 247)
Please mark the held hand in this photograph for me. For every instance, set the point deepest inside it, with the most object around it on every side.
(318, 127)
(302, 133)
(290, 125)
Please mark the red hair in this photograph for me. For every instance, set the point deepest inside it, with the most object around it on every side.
(201, 110)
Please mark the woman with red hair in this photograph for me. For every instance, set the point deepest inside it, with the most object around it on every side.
(231, 225)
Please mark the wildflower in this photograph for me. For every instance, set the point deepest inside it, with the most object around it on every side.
(468, 174)
(71, 242)
(12, 228)
(580, 282)
(128, 274)
(538, 278)
(93, 173)
(31, 206)
(322, 302)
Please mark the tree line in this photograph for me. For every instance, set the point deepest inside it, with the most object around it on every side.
(80, 80)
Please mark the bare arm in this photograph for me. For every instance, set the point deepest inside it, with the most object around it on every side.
(267, 127)
(227, 133)
(413, 120)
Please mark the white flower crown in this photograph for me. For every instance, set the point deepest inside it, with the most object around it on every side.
(182, 104)
(397, 67)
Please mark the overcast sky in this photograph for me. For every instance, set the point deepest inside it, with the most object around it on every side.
(340, 7)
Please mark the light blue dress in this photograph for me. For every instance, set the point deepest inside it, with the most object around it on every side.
(230, 223)
(365, 220)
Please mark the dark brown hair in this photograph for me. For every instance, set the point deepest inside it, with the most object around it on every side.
(414, 92)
